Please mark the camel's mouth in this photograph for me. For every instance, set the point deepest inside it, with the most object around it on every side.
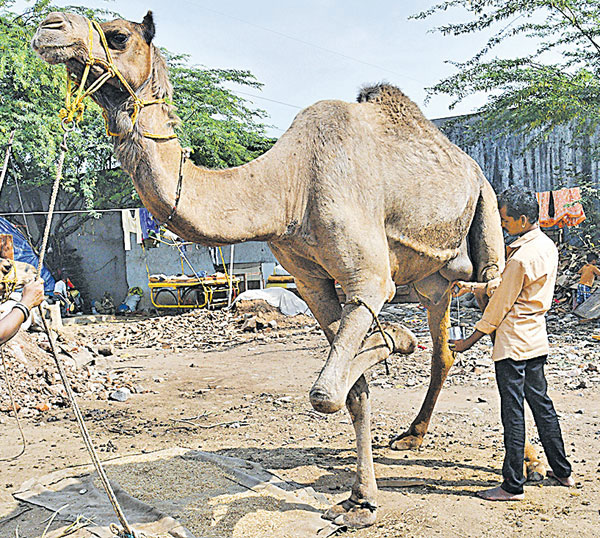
(60, 39)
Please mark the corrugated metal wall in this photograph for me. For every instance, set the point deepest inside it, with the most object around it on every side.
(508, 161)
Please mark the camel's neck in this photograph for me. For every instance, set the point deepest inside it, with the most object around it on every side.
(252, 202)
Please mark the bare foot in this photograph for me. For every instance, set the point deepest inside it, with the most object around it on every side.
(405, 441)
(498, 494)
(352, 513)
(568, 482)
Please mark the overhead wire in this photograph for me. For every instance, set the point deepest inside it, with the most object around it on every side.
(303, 41)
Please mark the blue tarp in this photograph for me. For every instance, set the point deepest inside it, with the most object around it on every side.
(24, 253)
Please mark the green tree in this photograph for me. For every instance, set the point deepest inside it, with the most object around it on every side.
(219, 127)
(554, 83)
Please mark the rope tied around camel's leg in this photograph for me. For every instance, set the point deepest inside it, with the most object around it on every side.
(359, 302)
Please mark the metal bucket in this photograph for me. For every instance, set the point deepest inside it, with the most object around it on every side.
(456, 333)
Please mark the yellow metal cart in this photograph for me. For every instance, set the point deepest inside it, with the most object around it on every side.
(192, 292)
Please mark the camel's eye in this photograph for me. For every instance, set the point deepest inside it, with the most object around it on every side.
(117, 40)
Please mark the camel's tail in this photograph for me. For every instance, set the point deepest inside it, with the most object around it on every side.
(486, 243)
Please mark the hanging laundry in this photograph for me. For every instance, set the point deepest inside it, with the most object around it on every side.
(130, 219)
(568, 208)
(560, 208)
(148, 223)
(544, 199)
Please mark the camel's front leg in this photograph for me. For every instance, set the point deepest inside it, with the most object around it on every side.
(360, 510)
(341, 370)
(438, 316)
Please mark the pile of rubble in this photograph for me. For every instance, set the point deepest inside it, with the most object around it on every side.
(205, 330)
(35, 381)
(36, 384)
(571, 260)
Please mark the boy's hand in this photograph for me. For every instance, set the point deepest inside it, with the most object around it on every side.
(460, 288)
(458, 345)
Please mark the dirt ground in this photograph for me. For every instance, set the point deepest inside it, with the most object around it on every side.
(251, 401)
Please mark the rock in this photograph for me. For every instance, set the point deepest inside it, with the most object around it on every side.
(249, 324)
(106, 350)
(120, 395)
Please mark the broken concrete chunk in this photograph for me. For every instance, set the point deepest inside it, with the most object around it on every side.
(120, 395)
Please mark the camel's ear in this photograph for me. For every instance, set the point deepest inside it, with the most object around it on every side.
(148, 29)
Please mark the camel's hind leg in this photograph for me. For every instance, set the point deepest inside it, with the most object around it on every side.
(438, 316)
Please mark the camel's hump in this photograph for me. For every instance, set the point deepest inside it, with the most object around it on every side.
(399, 107)
(379, 93)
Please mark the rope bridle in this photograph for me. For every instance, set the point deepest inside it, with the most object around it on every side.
(8, 282)
(74, 106)
(74, 100)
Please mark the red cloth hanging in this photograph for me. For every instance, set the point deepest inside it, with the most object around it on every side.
(568, 208)
(543, 199)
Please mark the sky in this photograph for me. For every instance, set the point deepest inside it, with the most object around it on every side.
(309, 50)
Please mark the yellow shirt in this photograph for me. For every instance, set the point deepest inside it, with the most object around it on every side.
(517, 307)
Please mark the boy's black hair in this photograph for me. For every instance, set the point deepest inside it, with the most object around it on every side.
(591, 257)
(519, 201)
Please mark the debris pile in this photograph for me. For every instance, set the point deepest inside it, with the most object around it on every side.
(571, 259)
(201, 329)
(36, 384)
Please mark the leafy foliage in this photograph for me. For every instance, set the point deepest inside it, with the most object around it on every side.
(556, 82)
(221, 129)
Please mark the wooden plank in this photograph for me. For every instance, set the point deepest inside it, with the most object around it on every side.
(589, 309)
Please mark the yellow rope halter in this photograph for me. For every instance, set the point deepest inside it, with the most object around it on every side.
(74, 105)
(8, 282)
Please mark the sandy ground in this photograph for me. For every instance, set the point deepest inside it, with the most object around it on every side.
(251, 402)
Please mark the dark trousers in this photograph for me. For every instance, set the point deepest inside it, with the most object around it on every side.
(519, 380)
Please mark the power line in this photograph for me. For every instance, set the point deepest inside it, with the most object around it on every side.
(66, 212)
(267, 99)
(304, 42)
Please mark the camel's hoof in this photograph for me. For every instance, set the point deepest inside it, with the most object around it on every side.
(323, 403)
(406, 441)
(352, 514)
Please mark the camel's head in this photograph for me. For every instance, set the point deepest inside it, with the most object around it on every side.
(71, 39)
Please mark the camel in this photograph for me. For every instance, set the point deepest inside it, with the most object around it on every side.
(369, 194)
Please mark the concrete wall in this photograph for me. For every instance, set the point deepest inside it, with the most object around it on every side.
(107, 266)
(508, 161)
(100, 244)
